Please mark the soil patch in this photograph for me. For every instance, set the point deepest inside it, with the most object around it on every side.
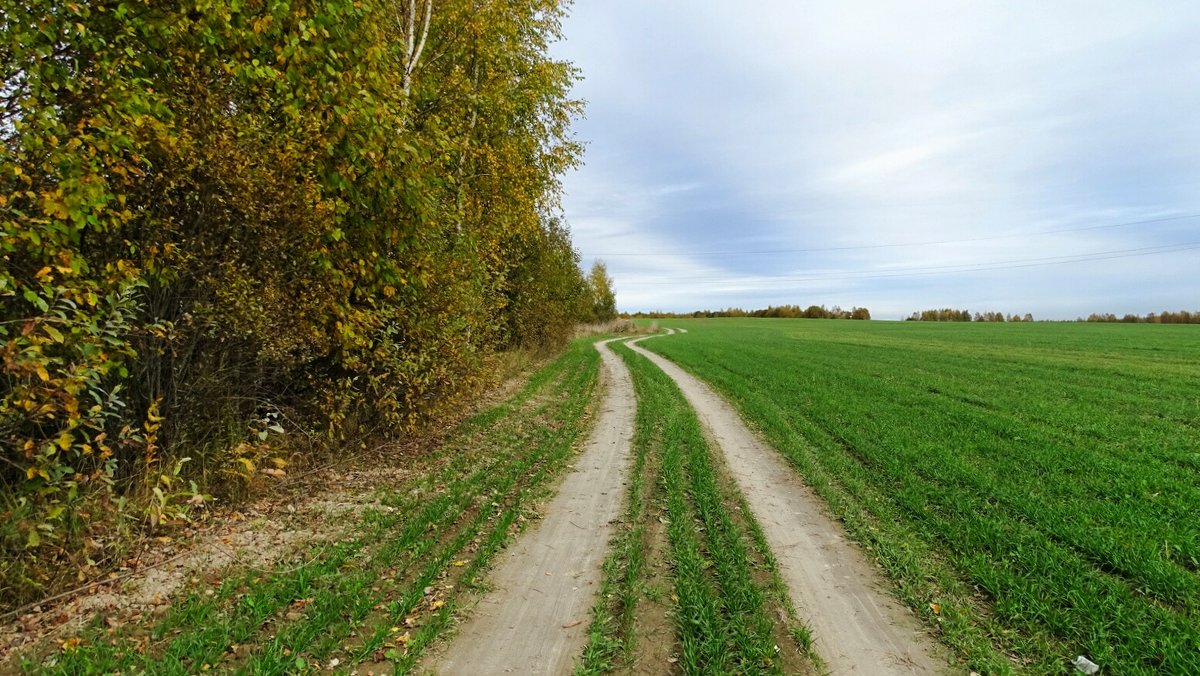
(656, 641)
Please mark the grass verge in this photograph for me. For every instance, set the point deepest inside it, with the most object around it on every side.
(382, 589)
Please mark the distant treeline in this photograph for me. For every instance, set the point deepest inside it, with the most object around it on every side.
(780, 311)
(952, 315)
(1164, 317)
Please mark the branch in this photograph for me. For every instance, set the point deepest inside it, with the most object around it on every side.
(414, 47)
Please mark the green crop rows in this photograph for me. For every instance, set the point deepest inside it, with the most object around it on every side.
(1033, 489)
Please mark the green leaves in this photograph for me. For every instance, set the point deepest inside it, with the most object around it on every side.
(212, 205)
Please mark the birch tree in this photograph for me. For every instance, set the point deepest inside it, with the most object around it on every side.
(414, 23)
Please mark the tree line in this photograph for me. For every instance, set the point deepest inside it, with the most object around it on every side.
(953, 315)
(777, 311)
(1164, 317)
(235, 233)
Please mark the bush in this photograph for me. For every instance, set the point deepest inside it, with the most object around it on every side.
(226, 223)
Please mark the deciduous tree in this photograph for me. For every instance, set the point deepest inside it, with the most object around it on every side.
(600, 291)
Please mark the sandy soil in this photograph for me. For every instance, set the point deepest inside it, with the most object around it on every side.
(259, 535)
(535, 619)
(857, 626)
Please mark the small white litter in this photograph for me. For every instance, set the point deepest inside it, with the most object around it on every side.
(1085, 665)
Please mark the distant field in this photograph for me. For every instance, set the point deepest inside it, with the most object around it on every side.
(1034, 489)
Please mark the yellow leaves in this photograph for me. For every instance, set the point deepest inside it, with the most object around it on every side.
(152, 415)
(55, 334)
(34, 472)
(273, 223)
(247, 464)
(935, 607)
(403, 639)
(54, 207)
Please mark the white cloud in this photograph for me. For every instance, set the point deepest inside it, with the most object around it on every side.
(780, 125)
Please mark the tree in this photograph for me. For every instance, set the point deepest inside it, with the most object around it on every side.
(600, 292)
(546, 291)
(338, 209)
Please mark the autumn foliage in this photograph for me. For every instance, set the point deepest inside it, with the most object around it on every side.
(771, 311)
(1164, 317)
(233, 231)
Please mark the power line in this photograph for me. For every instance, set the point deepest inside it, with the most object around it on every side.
(954, 269)
(1041, 233)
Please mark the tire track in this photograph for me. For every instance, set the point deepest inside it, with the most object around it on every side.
(858, 628)
(535, 619)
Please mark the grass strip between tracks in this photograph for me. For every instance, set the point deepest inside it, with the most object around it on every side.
(730, 609)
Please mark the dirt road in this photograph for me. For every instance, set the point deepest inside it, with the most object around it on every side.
(534, 621)
(858, 628)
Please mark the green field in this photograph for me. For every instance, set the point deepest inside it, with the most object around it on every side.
(1033, 489)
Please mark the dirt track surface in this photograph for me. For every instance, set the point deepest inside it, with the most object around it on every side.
(535, 619)
(857, 627)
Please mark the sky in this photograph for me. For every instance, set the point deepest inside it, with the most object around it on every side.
(1010, 156)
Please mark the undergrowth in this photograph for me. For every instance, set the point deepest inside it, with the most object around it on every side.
(388, 587)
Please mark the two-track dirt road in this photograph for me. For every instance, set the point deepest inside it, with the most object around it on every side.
(858, 628)
(535, 618)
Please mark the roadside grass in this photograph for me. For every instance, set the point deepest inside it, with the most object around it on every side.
(1032, 489)
(727, 608)
(342, 599)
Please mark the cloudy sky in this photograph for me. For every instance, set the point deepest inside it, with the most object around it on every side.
(1017, 156)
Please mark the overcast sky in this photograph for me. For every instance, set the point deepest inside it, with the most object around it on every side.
(1016, 156)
